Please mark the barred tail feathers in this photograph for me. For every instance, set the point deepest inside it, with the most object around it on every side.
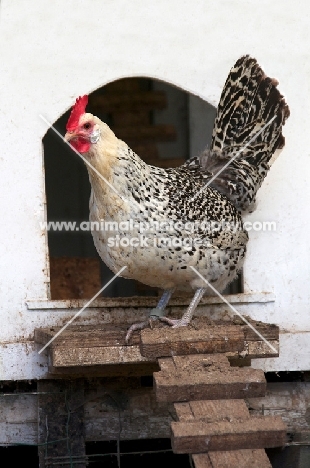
(250, 102)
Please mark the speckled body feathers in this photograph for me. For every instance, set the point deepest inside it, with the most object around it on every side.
(150, 195)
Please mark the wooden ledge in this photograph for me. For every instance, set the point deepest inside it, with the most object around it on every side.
(89, 345)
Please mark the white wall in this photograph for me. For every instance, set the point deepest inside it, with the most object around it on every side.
(51, 52)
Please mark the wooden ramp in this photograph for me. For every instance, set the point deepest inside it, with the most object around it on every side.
(214, 423)
(203, 371)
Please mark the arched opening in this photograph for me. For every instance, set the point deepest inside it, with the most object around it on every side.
(164, 125)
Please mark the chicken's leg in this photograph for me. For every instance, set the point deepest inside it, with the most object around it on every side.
(185, 320)
(156, 313)
(162, 304)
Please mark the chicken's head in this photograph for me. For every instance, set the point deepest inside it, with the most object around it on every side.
(82, 128)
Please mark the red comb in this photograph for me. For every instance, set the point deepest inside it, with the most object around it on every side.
(77, 110)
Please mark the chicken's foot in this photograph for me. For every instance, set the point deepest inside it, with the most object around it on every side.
(155, 314)
(187, 317)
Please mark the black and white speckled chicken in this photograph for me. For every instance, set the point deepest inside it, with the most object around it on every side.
(181, 228)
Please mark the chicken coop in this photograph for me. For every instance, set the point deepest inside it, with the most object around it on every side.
(233, 390)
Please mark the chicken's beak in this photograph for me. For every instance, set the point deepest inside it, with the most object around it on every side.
(69, 135)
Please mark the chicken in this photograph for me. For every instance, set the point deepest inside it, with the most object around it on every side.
(182, 228)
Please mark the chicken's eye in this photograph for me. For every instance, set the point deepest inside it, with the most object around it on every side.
(86, 125)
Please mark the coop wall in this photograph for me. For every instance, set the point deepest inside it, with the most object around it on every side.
(52, 53)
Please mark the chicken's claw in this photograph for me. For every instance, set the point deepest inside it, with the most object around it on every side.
(174, 323)
(138, 326)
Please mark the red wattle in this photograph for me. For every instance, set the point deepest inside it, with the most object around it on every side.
(81, 145)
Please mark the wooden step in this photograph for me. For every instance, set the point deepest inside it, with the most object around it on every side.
(204, 336)
(179, 341)
(256, 432)
(212, 410)
(223, 425)
(249, 458)
(198, 377)
(86, 345)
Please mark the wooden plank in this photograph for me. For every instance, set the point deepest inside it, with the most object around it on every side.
(167, 365)
(135, 409)
(201, 362)
(270, 331)
(290, 400)
(211, 410)
(141, 417)
(120, 102)
(146, 133)
(109, 335)
(256, 349)
(108, 370)
(221, 410)
(239, 361)
(18, 413)
(207, 377)
(61, 421)
(255, 458)
(85, 336)
(106, 404)
(179, 341)
(98, 337)
(106, 426)
(254, 433)
(214, 387)
(267, 330)
(184, 412)
(105, 344)
(83, 356)
(218, 410)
